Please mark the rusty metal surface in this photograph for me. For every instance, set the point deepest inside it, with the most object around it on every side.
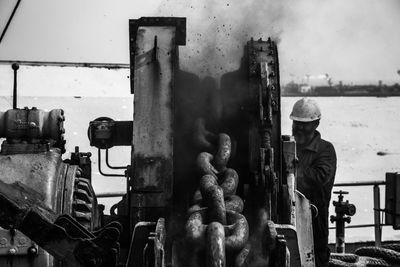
(26, 183)
(235, 234)
(304, 230)
(38, 183)
(86, 250)
(105, 133)
(159, 238)
(14, 243)
(288, 213)
(139, 240)
(215, 249)
(33, 126)
(152, 154)
(179, 26)
(290, 235)
(32, 175)
(147, 57)
(40, 225)
(215, 228)
(67, 182)
(25, 256)
(265, 125)
(154, 252)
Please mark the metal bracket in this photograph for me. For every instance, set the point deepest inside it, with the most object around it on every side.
(150, 56)
(178, 22)
(147, 244)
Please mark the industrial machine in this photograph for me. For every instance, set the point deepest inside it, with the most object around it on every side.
(211, 180)
(344, 210)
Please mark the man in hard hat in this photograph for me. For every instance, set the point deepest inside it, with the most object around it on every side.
(316, 170)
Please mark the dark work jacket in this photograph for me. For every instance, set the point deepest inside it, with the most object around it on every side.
(315, 177)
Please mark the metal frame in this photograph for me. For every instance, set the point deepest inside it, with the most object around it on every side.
(65, 64)
(134, 24)
(377, 218)
(377, 209)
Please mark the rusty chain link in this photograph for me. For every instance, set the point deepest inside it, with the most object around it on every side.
(215, 223)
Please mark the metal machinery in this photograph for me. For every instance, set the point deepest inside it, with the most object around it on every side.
(211, 180)
(344, 210)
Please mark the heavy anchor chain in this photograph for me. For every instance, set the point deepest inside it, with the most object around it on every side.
(215, 224)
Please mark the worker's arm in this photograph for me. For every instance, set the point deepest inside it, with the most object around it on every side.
(321, 171)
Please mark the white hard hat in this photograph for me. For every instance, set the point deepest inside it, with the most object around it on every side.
(305, 110)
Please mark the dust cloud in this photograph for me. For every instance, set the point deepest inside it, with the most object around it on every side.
(218, 30)
(350, 40)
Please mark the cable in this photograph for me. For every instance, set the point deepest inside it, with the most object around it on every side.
(9, 20)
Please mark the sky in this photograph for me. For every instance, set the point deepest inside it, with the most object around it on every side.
(350, 40)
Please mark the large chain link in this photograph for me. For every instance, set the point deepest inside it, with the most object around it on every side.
(215, 222)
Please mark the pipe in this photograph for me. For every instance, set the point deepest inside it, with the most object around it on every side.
(363, 183)
(101, 172)
(113, 167)
(340, 236)
(360, 226)
(15, 68)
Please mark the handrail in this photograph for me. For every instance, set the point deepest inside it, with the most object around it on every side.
(66, 64)
(378, 226)
(377, 209)
(361, 183)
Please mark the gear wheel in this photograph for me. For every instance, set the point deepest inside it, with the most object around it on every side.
(84, 203)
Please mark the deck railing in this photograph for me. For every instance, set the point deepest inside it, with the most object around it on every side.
(377, 207)
(376, 197)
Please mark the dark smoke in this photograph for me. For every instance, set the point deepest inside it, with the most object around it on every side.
(218, 30)
(316, 36)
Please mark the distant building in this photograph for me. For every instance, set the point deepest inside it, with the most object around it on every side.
(305, 89)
